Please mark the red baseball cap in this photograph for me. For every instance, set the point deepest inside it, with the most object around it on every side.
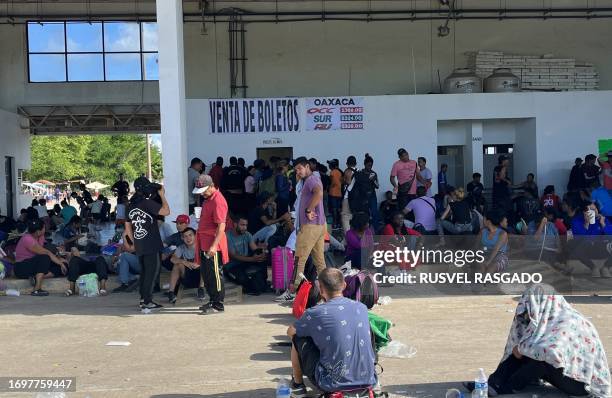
(183, 219)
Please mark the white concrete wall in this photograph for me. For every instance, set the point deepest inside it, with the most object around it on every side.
(356, 58)
(15, 142)
(566, 125)
(315, 58)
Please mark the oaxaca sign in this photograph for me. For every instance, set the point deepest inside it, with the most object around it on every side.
(245, 116)
(342, 113)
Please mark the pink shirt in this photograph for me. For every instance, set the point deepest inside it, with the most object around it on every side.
(405, 171)
(23, 251)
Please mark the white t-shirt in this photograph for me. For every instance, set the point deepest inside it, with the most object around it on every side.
(42, 211)
(427, 175)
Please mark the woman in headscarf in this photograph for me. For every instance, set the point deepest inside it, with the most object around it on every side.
(551, 341)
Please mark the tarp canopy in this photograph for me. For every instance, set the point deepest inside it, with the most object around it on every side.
(45, 182)
(96, 185)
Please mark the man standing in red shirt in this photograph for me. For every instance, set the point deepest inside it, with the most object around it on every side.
(211, 243)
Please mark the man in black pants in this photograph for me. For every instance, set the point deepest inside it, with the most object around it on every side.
(142, 236)
(211, 242)
(517, 372)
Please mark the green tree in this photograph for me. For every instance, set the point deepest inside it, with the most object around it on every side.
(94, 157)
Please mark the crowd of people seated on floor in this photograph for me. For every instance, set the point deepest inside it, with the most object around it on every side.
(262, 199)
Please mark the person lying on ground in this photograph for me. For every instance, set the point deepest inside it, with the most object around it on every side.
(331, 342)
(78, 266)
(549, 340)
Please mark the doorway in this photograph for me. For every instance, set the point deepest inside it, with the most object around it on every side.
(281, 152)
(10, 186)
(451, 155)
(491, 154)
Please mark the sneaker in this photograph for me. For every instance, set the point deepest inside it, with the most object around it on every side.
(171, 297)
(298, 390)
(141, 305)
(605, 273)
(152, 306)
(286, 297)
(121, 288)
(201, 294)
(212, 309)
(39, 293)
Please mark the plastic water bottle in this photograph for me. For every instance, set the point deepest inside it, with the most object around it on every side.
(454, 393)
(82, 291)
(282, 389)
(481, 387)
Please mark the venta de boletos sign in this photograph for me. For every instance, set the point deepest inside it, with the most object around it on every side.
(231, 116)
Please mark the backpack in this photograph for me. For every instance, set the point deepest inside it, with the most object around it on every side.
(267, 185)
(361, 287)
(359, 195)
(307, 296)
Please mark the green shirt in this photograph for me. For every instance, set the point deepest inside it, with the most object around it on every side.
(239, 244)
(67, 213)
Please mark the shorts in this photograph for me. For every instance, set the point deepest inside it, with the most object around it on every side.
(191, 280)
(309, 356)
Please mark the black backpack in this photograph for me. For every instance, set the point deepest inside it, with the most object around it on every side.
(359, 195)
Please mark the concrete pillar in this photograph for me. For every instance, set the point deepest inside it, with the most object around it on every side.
(172, 103)
(477, 155)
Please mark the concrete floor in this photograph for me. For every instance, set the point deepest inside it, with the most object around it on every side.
(178, 353)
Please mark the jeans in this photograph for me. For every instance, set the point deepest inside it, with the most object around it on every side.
(127, 267)
(514, 375)
(265, 233)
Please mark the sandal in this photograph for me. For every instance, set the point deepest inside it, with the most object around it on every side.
(69, 293)
(39, 293)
